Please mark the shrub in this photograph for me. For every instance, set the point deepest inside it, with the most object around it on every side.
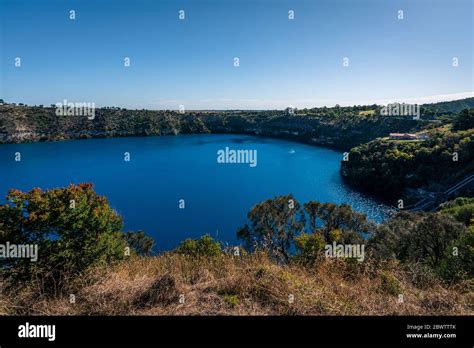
(140, 242)
(389, 284)
(462, 209)
(458, 260)
(232, 300)
(420, 275)
(204, 246)
(309, 247)
(335, 235)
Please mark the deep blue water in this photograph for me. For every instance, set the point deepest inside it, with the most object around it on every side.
(163, 170)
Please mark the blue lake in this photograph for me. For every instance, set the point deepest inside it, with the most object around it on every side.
(162, 170)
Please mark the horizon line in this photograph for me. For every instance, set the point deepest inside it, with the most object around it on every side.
(426, 100)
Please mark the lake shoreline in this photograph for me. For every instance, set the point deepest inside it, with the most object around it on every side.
(30, 124)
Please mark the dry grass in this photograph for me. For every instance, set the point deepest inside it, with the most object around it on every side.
(248, 285)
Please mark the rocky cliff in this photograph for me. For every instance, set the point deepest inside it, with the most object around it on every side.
(29, 124)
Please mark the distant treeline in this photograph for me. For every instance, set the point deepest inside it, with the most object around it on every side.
(338, 127)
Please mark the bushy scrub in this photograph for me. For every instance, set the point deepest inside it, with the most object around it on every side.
(389, 284)
(458, 261)
(73, 227)
(309, 247)
(203, 246)
(462, 209)
(232, 300)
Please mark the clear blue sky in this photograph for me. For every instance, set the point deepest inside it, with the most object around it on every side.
(282, 62)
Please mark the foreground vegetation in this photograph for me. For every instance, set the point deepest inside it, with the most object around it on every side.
(414, 263)
(247, 285)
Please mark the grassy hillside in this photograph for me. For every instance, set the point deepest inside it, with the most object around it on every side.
(247, 285)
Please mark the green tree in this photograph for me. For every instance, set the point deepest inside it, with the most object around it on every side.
(392, 238)
(273, 225)
(416, 237)
(432, 236)
(328, 217)
(465, 120)
(73, 227)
